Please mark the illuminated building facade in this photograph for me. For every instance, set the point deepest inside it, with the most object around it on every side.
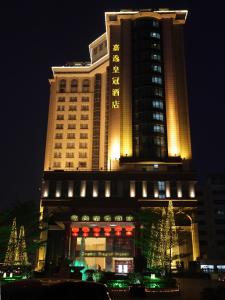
(118, 141)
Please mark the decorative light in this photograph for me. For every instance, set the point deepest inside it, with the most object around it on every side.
(107, 231)
(96, 231)
(129, 230)
(118, 233)
(75, 231)
(85, 231)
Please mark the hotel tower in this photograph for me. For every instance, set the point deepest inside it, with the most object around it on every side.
(118, 142)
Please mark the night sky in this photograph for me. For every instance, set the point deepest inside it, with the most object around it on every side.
(36, 35)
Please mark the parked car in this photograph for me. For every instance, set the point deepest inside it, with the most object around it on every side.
(62, 289)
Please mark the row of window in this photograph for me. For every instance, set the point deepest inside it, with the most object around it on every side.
(71, 126)
(73, 117)
(157, 104)
(73, 99)
(71, 146)
(71, 136)
(70, 155)
(73, 108)
(158, 116)
(70, 164)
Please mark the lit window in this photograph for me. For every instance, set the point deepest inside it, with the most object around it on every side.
(157, 68)
(84, 117)
(155, 35)
(62, 86)
(83, 135)
(83, 126)
(107, 218)
(85, 86)
(71, 135)
(60, 108)
(158, 116)
(69, 155)
(58, 136)
(157, 91)
(155, 23)
(85, 218)
(157, 79)
(57, 164)
(157, 104)
(161, 185)
(158, 128)
(159, 140)
(57, 155)
(155, 57)
(118, 218)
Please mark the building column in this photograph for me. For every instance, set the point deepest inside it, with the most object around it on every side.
(195, 239)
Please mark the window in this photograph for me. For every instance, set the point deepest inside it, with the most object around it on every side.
(72, 108)
(74, 85)
(157, 104)
(83, 135)
(73, 99)
(62, 86)
(82, 155)
(83, 145)
(61, 99)
(82, 164)
(60, 108)
(155, 23)
(84, 117)
(84, 107)
(59, 126)
(155, 46)
(57, 164)
(58, 145)
(70, 145)
(157, 68)
(156, 57)
(158, 116)
(157, 91)
(161, 185)
(60, 117)
(158, 128)
(58, 136)
(155, 35)
(71, 135)
(69, 164)
(85, 99)
(85, 85)
(83, 126)
(159, 140)
(156, 79)
(69, 155)
(72, 117)
(71, 126)
(57, 155)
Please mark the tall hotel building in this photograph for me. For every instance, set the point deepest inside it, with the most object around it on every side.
(118, 141)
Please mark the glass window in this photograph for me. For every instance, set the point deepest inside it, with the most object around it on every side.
(69, 164)
(60, 117)
(83, 126)
(57, 164)
(158, 116)
(84, 117)
(159, 140)
(83, 145)
(71, 126)
(82, 164)
(161, 185)
(70, 145)
(73, 99)
(155, 23)
(58, 145)
(155, 35)
(60, 108)
(157, 104)
(74, 85)
(58, 136)
(69, 155)
(71, 135)
(156, 57)
(85, 85)
(59, 126)
(83, 135)
(156, 79)
(82, 154)
(72, 108)
(157, 91)
(84, 107)
(157, 68)
(72, 117)
(85, 99)
(62, 85)
(61, 99)
(57, 155)
(158, 128)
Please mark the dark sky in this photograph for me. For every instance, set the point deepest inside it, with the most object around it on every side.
(36, 35)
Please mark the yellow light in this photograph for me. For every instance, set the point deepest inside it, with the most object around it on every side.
(115, 152)
(144, 189)
(107, 189)
(70, 193)
(132, 189)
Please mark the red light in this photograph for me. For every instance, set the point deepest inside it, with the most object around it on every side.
(118, 233)
(74, 234)
(107, 229)
(107, 233)
(96, 229)
(85, 234)
(75, 229)
(85, 229)
(118, 228)
(129, 233)
(96, 234)
(129, 228)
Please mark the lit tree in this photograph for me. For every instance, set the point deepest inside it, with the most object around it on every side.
(21, 257)
(12, 246)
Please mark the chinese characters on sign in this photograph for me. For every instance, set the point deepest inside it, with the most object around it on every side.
(115, 76)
